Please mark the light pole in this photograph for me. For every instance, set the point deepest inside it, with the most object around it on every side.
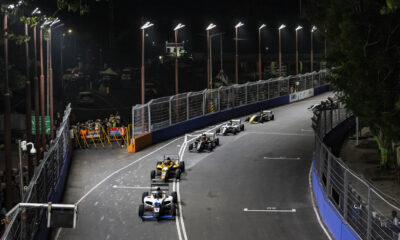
(313, 29)
(179, 26)
(297, 49)
(259, 51)
(28, 103)
(23, 146)
(236, 52)
(36, 88)
(146, 25)
(42, 101)
(211, 26)
(280, 48)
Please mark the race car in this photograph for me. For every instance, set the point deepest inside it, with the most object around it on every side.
(158, 204)
(170, 167)
(262, 116)
(207, 141)
(232, 126)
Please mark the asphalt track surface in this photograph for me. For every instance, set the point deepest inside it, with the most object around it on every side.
(263, 170)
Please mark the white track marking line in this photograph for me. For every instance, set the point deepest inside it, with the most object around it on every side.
(58, 233)
(281, 134)
(307, 130)
(286, 158)
(128, 187)
(178, 228)
(314, 207)
(271, 210)
(119, 170)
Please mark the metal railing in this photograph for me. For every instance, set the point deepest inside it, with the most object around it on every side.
(166, 111)
(25, 222)
(362, 206)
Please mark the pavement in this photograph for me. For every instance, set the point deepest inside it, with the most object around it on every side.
(253, 186)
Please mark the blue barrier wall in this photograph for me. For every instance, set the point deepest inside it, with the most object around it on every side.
(56, 195)
(321, 89)
(332, 219)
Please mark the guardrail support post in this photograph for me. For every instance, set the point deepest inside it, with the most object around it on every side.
(133, 123)
(187, 105)
(345, 195)
(245, 90)
(268, 90)
(219, 98)
(149, 113)
(170, 110)
(328, 174)
(258, 91)
(204, 101)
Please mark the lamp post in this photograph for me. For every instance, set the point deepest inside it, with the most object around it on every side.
(146, 25)
(28, 103)
(23, 146)
(259, 51)
(211, 26)
(297, 50)
(179, 26)
(280, 48)
(36, 87)
(236, 52)
(42, 101)
(51, 99)
(313, 29)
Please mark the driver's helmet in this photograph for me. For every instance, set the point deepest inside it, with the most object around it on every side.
(168, 161)
(158, 193)
(230, 123)
(203, 137)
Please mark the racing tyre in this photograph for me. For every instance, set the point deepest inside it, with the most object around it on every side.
(247, 119)
(242, 127)
(182, 166)
(141, 210)
(152, 174)
(218, 130)
(273, 117)
(173, 210)
(178, 174)
(174, 197)
(234, 131)
(210, 147)
(145, 194)
(217, 141)
(190, 147)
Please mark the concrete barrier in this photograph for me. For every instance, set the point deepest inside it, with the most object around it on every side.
(142, 141)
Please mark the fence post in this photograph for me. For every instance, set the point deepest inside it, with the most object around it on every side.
(258, 90)
(279, 86)
(369, 214)
(324, 122)
(268, 90)
(245, 90)
(133, 123)
(170, 110)
(219, 98)
(328, 173)
(204, 101)
(345, 190)
(149, 114)
(187, 105)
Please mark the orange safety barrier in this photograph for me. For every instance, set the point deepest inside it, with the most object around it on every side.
(140, 142)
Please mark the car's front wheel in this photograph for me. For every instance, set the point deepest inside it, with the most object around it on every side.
(141, 210)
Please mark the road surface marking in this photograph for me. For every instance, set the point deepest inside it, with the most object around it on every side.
(123, 168)
(127, 187)
(281, 134)
(277, 158)
(271, 210)
(307, 130)
(177, 217)
(313, 204)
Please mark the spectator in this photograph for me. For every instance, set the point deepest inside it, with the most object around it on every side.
(395, 219)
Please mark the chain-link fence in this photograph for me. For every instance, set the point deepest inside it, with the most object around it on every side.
(166, 111)
(25, 222)
(363, 207)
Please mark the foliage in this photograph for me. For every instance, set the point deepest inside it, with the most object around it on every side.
(364, 36)
(81, 6)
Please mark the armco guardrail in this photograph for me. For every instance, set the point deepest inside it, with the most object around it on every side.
(168, 111)
(349, 205)
(46, 185)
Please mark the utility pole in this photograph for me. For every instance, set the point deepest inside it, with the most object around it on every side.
(28, 104)
(51, 89)
(42, 100)
(37, 101)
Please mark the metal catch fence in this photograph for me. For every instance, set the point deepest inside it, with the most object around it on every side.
(362, 206)
(25, 222)
(166, 111)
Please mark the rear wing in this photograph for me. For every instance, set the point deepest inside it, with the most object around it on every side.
(171, 156)
(164, 187)
(210, 135)
(236, 121)
(266, 111)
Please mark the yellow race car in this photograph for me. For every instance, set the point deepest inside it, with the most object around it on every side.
(170, 167)
(262, 116)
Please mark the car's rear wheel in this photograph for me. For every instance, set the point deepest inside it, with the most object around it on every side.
(145, 194)
(210, 147)
(173, 210)
(152, 174)
(178, 174)
(174, 197)
(190, 147)
(217, 141)
(273, 117)
(182, 166)
(141, 210)
(242, 127)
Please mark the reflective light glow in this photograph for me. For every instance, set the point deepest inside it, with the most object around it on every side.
(262, 26)
(211, 26)
(55, 22)
(239, 25)
(298, 28)
(282, 27)
(36, 11)
(179, 26)
(147, 25)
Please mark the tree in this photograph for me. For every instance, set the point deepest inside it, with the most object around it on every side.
(364, 36)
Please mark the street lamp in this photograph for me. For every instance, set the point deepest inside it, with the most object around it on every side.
(259, 50)
(179, 26)
(280, 48)
(297, 50)
(313, 29)
(146, 25)
(211, 26)
(42, 101)
(236, 52)
(23, 146)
